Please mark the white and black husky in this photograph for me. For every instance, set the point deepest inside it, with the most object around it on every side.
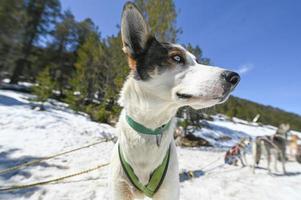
(163, 78)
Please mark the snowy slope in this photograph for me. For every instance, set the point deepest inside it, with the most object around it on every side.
(222, 127)
(27, 134)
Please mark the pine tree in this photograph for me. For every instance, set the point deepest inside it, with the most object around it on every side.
(161, 16)
(40, 15)
(92, 81)
(84, 28)
(64, 45)
(12, 14)
(45, 86)
(91, 75)
(118, 63)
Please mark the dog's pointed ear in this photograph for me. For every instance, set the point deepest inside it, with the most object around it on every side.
(134, 31)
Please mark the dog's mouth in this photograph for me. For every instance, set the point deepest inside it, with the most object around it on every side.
(185, 96)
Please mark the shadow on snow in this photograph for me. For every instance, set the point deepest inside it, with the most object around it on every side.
(21, 174)
(9, 101)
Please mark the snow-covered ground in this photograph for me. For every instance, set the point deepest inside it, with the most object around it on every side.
(27, 134)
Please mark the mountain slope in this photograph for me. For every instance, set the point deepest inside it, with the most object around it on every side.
(247, 110)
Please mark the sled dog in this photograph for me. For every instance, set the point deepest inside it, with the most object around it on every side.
(238, 152)
(274, 145)
(163, 78)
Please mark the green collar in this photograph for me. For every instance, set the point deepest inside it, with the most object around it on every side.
(142, 129)
(155, 180)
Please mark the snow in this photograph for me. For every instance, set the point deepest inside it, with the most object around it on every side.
(27, 134)
(236, 183)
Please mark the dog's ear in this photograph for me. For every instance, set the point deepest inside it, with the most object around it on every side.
(134, 31)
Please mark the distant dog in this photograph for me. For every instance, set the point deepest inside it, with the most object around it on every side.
(238, 152)
(163, 78)
(298, 154)
(293, 146)
(274, 145)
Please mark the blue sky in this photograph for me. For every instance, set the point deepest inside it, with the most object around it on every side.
(261, 39)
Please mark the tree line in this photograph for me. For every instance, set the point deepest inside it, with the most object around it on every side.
(69, 60)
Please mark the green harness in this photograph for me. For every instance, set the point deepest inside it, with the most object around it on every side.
(159, 173)
(142, 129)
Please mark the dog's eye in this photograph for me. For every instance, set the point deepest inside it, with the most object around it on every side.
(178, 59)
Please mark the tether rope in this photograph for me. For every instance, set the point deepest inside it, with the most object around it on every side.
(17, 187)
(212, 162)
(24, 165)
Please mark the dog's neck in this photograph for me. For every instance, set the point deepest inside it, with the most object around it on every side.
(144, 106)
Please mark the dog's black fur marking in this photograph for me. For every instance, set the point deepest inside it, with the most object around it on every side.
(154, 55)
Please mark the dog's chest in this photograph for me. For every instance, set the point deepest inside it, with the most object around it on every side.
(142, 152)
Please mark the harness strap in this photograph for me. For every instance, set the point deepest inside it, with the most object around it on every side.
(156, 177)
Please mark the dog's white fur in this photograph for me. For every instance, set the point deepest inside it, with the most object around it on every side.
(153, 103)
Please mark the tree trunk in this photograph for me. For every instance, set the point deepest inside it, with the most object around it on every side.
(29, 37)
(18, 70)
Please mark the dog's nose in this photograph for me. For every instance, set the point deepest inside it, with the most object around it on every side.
(231, 77)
